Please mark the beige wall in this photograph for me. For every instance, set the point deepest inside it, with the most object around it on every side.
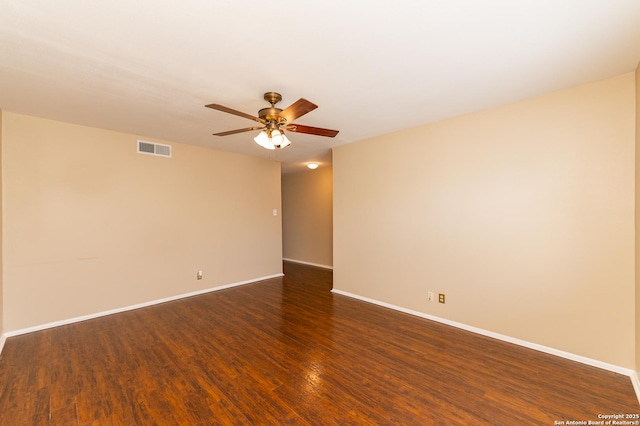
(90, 225)
(1, 231)
(637, 230)
(307, 212)
(523, 215)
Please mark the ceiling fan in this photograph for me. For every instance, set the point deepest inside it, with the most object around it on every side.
(275, 120)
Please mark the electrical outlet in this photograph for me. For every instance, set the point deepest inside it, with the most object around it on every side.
(199, 275)
(441, 297)
(430, 296)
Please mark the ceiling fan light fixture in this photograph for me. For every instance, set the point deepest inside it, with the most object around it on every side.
(277, 137)
(284, 141)
(264, 140)
(272, 139)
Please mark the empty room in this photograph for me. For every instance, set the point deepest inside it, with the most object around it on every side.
(316, 213)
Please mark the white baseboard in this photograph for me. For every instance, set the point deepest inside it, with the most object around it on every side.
(3, 338)
(308, 263)
(636, 384)
(573, 357)
(129, 308)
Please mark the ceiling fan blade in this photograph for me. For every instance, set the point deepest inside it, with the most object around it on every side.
(297, 109)
(234, 112)
(233, 132)
(298, 128)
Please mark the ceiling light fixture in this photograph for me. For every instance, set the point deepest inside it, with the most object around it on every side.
(263, 140)
(272, 137)
(312, 166)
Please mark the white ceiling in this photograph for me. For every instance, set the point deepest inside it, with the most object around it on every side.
(148, 67)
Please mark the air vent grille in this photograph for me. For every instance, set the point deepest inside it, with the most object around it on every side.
(152, 148)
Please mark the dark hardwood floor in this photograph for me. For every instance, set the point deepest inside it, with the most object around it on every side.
(288, 351)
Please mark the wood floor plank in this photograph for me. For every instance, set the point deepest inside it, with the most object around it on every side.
(288, 351)
(65, 416)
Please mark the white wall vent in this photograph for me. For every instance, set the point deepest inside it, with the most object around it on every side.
(152, 148)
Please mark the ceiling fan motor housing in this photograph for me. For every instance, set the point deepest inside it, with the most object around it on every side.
(270, 114)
